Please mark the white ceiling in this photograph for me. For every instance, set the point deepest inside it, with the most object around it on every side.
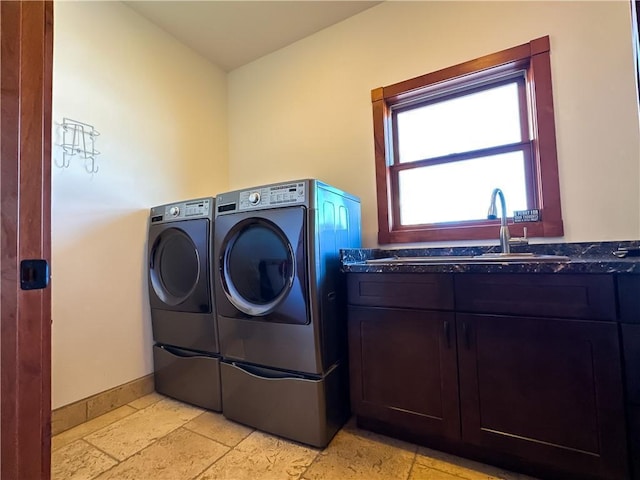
(233, 33)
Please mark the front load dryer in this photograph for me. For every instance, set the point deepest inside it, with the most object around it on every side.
(186, 351)
(280, 302)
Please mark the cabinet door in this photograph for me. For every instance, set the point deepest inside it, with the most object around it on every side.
(546, 390)
(403, 369)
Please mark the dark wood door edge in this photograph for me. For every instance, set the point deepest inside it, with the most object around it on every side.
(26, 42)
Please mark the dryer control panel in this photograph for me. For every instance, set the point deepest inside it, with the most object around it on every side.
(177, 211)
(276, 195)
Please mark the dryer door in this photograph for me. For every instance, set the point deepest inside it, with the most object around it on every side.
(262, 265)
(179, 266)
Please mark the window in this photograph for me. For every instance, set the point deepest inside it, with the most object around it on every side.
(635, 33)
(445, 140)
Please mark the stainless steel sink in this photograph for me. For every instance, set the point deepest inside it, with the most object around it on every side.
(484, 258)
(421, 260)
(521, 257)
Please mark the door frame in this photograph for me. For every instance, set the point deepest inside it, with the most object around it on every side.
(26, 51)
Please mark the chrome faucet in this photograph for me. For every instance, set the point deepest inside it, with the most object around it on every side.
(492, 215)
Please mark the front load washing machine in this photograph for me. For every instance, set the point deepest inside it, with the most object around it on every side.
(186, 352)
(281, 306)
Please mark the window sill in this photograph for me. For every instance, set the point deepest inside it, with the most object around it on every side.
(480, 231)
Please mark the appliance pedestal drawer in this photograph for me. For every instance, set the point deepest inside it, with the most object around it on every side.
(302, 409)
(191, 377)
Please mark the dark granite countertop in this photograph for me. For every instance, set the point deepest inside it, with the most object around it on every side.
(596, 257)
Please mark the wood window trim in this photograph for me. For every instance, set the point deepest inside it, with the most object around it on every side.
(535, 57)
(635, 20)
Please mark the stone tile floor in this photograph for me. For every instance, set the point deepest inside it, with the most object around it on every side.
(156, 437)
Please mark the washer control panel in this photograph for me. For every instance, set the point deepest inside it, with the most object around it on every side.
(197, 209)
(176, 211)
(277, 195)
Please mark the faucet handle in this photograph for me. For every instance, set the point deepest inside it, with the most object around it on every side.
(520, 240)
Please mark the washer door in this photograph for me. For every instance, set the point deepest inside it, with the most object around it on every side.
(178, 266)
(258, 267)
(262, 267)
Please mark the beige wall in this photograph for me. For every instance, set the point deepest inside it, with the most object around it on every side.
(168, 133)
(305, 110)
(161, 112)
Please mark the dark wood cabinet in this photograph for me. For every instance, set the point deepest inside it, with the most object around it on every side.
(470, 369)
(404, 369)
(547, 390)
(538, 295)
(629, 305)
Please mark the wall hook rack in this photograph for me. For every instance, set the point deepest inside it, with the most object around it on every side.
(78, 138)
